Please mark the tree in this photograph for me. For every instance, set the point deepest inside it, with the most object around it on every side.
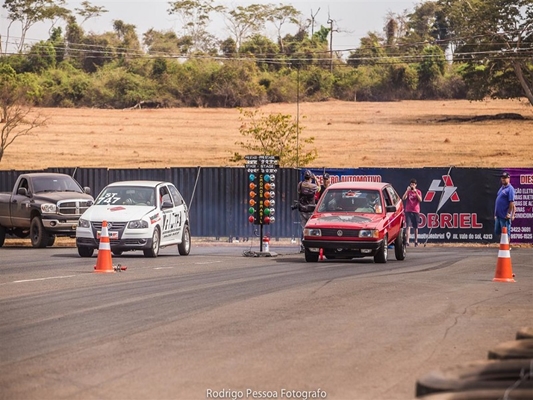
(494, 38)
(242, 22)
(30, 12)
(195, 15)
(89, 11)
(16, 116)
(274, 135)
(281, 15)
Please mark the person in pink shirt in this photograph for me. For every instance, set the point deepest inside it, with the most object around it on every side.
(412, 198)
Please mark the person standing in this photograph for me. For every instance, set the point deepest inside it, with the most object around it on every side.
(307, 190)
(412, 198)
(325, 183)
(504, 208)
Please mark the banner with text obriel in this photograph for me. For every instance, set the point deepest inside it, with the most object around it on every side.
(457, 203)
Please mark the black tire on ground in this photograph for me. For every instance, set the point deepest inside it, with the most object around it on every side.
(310, 256)
(492, 374)
(524, 333)
(51, 240)
(330, 257)
(184, 248)
(39, 237)
(512, 350)
(117, 252)
(381, 256)
(85, 251)
(400, 250)
(154, 250)
(2, 235)
(515, 394)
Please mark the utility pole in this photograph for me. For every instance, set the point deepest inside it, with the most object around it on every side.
(313, 16)
(330, 22)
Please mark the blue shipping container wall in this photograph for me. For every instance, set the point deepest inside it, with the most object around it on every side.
(458, 202)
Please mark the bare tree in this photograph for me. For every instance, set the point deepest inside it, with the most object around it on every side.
(89, 11)
(17, 117)
(30, 12)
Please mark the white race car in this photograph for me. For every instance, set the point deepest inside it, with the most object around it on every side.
(140, 215)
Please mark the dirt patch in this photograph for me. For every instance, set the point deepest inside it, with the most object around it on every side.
(347, 135)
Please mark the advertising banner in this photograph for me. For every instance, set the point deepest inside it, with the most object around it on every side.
(458, 203)
(522, 226)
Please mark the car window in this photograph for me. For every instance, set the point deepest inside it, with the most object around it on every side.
(164, 195)
(127, 195)
(394, 196)
(343, 200)
(387, 198)
(176, 195)
(23, 184)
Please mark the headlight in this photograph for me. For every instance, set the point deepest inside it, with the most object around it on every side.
(369, 233)
(83, 223)
(48, 208)
(140, 224)
(312, 232)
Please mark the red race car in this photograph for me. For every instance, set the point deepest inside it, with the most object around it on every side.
(356, 219)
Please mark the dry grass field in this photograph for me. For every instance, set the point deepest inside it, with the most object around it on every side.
(347, 134)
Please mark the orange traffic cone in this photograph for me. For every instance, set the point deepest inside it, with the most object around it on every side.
(104, 262)
(504, 269)
(321, 254)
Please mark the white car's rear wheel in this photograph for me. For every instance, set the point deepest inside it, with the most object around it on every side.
(184, 248)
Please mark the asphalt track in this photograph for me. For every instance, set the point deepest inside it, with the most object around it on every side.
(190, 327)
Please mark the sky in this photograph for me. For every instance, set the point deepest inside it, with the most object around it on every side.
(353, 19)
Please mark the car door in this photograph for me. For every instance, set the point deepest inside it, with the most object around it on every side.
(180, 208)
(170, 224)
(20, 206)
(396, 219)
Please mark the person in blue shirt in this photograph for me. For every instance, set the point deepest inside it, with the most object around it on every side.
(504, 208)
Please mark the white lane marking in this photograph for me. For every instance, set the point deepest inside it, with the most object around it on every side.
(208, 262)
(163, 267)
(44, 279)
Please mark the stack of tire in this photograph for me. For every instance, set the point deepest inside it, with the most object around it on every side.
(506, 375)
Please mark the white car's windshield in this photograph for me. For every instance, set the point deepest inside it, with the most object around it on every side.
(127, 195)
(343, 200)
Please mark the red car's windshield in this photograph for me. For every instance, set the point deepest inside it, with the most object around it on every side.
(351, 200)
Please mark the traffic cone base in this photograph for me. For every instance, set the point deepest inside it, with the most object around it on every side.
(104, 263)
(504, 269)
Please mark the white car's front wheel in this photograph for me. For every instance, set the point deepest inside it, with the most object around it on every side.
(154, 250)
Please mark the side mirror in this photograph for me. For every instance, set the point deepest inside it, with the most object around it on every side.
(87, 190)
(390, 209)
(166, 204)
(22, 191)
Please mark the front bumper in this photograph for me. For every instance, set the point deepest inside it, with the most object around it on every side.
(126, 240)
(360, 248)
(60, 226)
(120, 244)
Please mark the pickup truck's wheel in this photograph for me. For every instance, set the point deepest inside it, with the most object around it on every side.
(154, 250)
(184, 248)
(399, 246)
(381, 256)
(310, 256)
(39, 237)
(117, 252)
(51, 240)
(2, 235)
(85, 251)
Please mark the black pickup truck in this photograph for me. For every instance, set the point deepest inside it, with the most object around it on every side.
(43, 206)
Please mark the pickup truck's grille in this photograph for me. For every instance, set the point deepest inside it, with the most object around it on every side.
(72, 207)
(345, 232)
(116, 226)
